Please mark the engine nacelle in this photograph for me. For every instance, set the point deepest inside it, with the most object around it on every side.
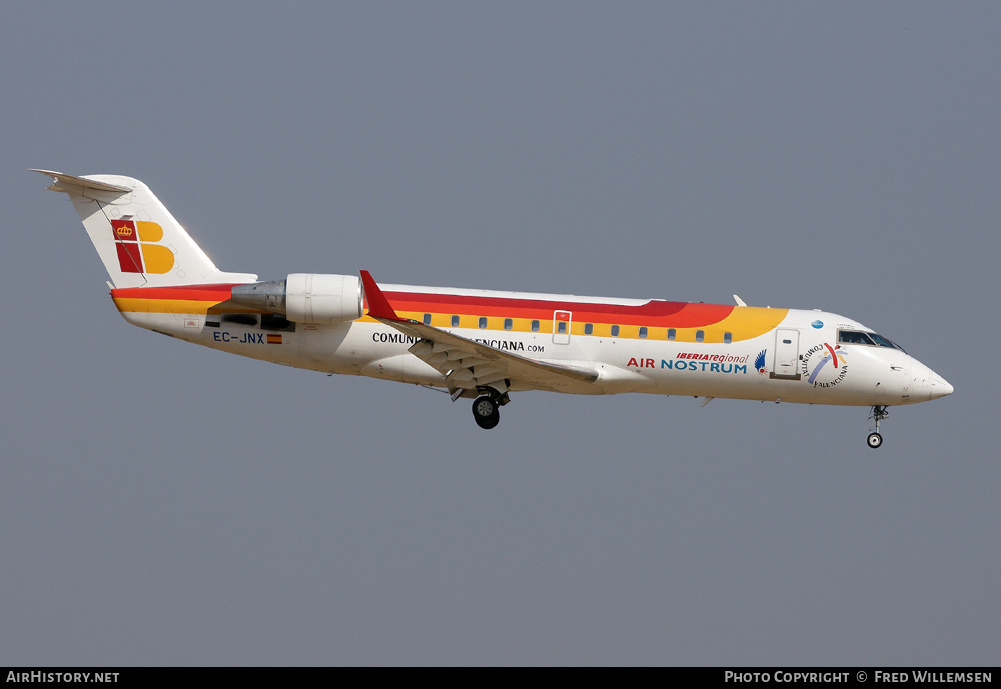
(317, 298)
(305, 297)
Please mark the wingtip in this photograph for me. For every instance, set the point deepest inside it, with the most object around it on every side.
(378, 305)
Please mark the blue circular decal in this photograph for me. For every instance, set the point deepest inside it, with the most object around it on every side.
(818, 324)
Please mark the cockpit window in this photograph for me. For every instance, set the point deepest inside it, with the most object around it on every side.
(859, 337)
(884, 342)
(854, 337)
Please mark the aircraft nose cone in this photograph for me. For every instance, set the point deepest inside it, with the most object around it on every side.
(939, 386)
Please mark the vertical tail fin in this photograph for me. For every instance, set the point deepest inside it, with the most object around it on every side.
(139, 241)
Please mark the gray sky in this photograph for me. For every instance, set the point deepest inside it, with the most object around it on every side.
(162, 503)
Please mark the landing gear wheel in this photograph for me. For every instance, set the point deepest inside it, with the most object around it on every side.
(486, 412)
(879, 413)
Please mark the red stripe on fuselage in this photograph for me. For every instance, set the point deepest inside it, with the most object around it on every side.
(184, 292)
(663, 313)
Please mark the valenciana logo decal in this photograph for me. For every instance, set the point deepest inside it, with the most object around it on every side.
(137, 250)
(825, 366)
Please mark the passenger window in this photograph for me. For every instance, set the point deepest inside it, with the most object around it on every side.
(508, 324)
(727, 338)
(672, 334)
(535, 326)
(615, 331)
(483, 322)
(643, 332)
(700, 335)
(427, 319)
(589, 329)
(455, 321)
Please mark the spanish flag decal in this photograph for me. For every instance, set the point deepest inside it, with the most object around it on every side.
(274, 339)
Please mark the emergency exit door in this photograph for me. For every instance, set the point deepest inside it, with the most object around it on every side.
(561, 327)
(786, 362)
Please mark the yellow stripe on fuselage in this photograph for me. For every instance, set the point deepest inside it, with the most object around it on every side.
(744, 323)
(748, 322)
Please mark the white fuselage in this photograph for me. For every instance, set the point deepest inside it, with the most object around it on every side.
(792, 362)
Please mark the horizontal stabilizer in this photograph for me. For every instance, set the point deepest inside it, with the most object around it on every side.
(62, 180)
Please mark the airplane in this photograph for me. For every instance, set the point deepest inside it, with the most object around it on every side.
(482, 344)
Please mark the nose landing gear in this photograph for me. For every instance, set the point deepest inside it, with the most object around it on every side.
(878, 414)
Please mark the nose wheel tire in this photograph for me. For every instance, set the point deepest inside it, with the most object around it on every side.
(486, 412)
(878, 414)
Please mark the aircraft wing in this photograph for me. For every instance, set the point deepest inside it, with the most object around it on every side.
(467, 364)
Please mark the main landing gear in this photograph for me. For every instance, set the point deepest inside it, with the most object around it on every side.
(486, 408)
(878, 414)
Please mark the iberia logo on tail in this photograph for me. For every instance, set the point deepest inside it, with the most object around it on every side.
(137, 250)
